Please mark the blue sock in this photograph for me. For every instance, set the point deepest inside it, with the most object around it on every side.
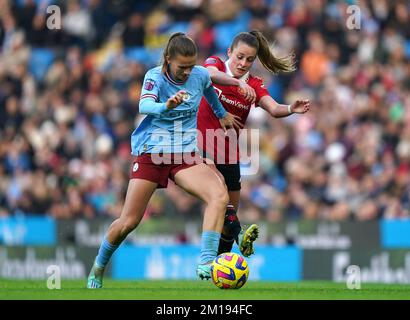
(105, 253)
(209, 246)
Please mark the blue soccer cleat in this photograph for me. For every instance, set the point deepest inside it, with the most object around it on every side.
(203, 271)
(95, 278)
(246, 239)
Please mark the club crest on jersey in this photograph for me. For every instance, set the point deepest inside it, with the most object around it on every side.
(135, 167)
(186, 96)
(149, 84)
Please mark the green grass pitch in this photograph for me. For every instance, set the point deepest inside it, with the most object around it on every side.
(199, 290)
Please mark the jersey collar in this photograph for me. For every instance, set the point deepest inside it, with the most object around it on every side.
(244, 78)
(168, 76)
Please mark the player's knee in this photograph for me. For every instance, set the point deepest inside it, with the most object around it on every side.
(220, 197)
(225, 201)
(222, 178)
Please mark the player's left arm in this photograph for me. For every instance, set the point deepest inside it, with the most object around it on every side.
(275, 109)
(278, 110)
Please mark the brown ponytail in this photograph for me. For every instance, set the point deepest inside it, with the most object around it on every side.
(256, 39)
(178, 44)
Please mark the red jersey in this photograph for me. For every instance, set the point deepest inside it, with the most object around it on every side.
(233, 102)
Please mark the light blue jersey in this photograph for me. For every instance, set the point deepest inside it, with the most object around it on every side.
(172, 131)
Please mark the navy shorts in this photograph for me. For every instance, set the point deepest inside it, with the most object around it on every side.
(231, 174)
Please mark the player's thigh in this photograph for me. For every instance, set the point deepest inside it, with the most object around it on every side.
(139, 193)
(212, 165)
(202, 182)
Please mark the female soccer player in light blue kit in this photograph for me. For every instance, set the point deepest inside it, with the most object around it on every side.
(165, 146)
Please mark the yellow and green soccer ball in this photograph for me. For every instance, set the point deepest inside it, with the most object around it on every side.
(229, 271)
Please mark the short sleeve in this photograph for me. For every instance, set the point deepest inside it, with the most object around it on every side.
(150, 86)
(214, 61)
(260, 90)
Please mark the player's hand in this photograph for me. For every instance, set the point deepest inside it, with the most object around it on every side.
(175, 100)
(300, 106)
(247, 91)
(230, 121)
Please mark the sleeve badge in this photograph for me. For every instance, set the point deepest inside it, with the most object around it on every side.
(149, 84)
(210, 61)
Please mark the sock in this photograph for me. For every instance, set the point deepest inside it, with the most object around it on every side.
(209, 246)
(232, 226)
(225, 245)
(105, 253)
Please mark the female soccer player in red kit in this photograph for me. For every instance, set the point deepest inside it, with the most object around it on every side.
(239, 91)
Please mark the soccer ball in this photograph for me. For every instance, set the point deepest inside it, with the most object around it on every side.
(229, 271)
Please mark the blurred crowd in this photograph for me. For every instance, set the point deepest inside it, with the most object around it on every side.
(69, 102)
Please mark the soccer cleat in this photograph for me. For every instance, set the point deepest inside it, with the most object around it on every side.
(203, 271)
(246, 239)
(95, 278)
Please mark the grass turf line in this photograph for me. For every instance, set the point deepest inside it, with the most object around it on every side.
(199, 290)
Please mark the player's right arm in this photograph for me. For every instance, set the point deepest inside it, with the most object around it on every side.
(149, 101)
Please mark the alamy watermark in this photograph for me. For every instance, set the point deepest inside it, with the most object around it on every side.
(220, 146)
(54, 20)
(353, 21)
(54, 280)
(354, 278)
